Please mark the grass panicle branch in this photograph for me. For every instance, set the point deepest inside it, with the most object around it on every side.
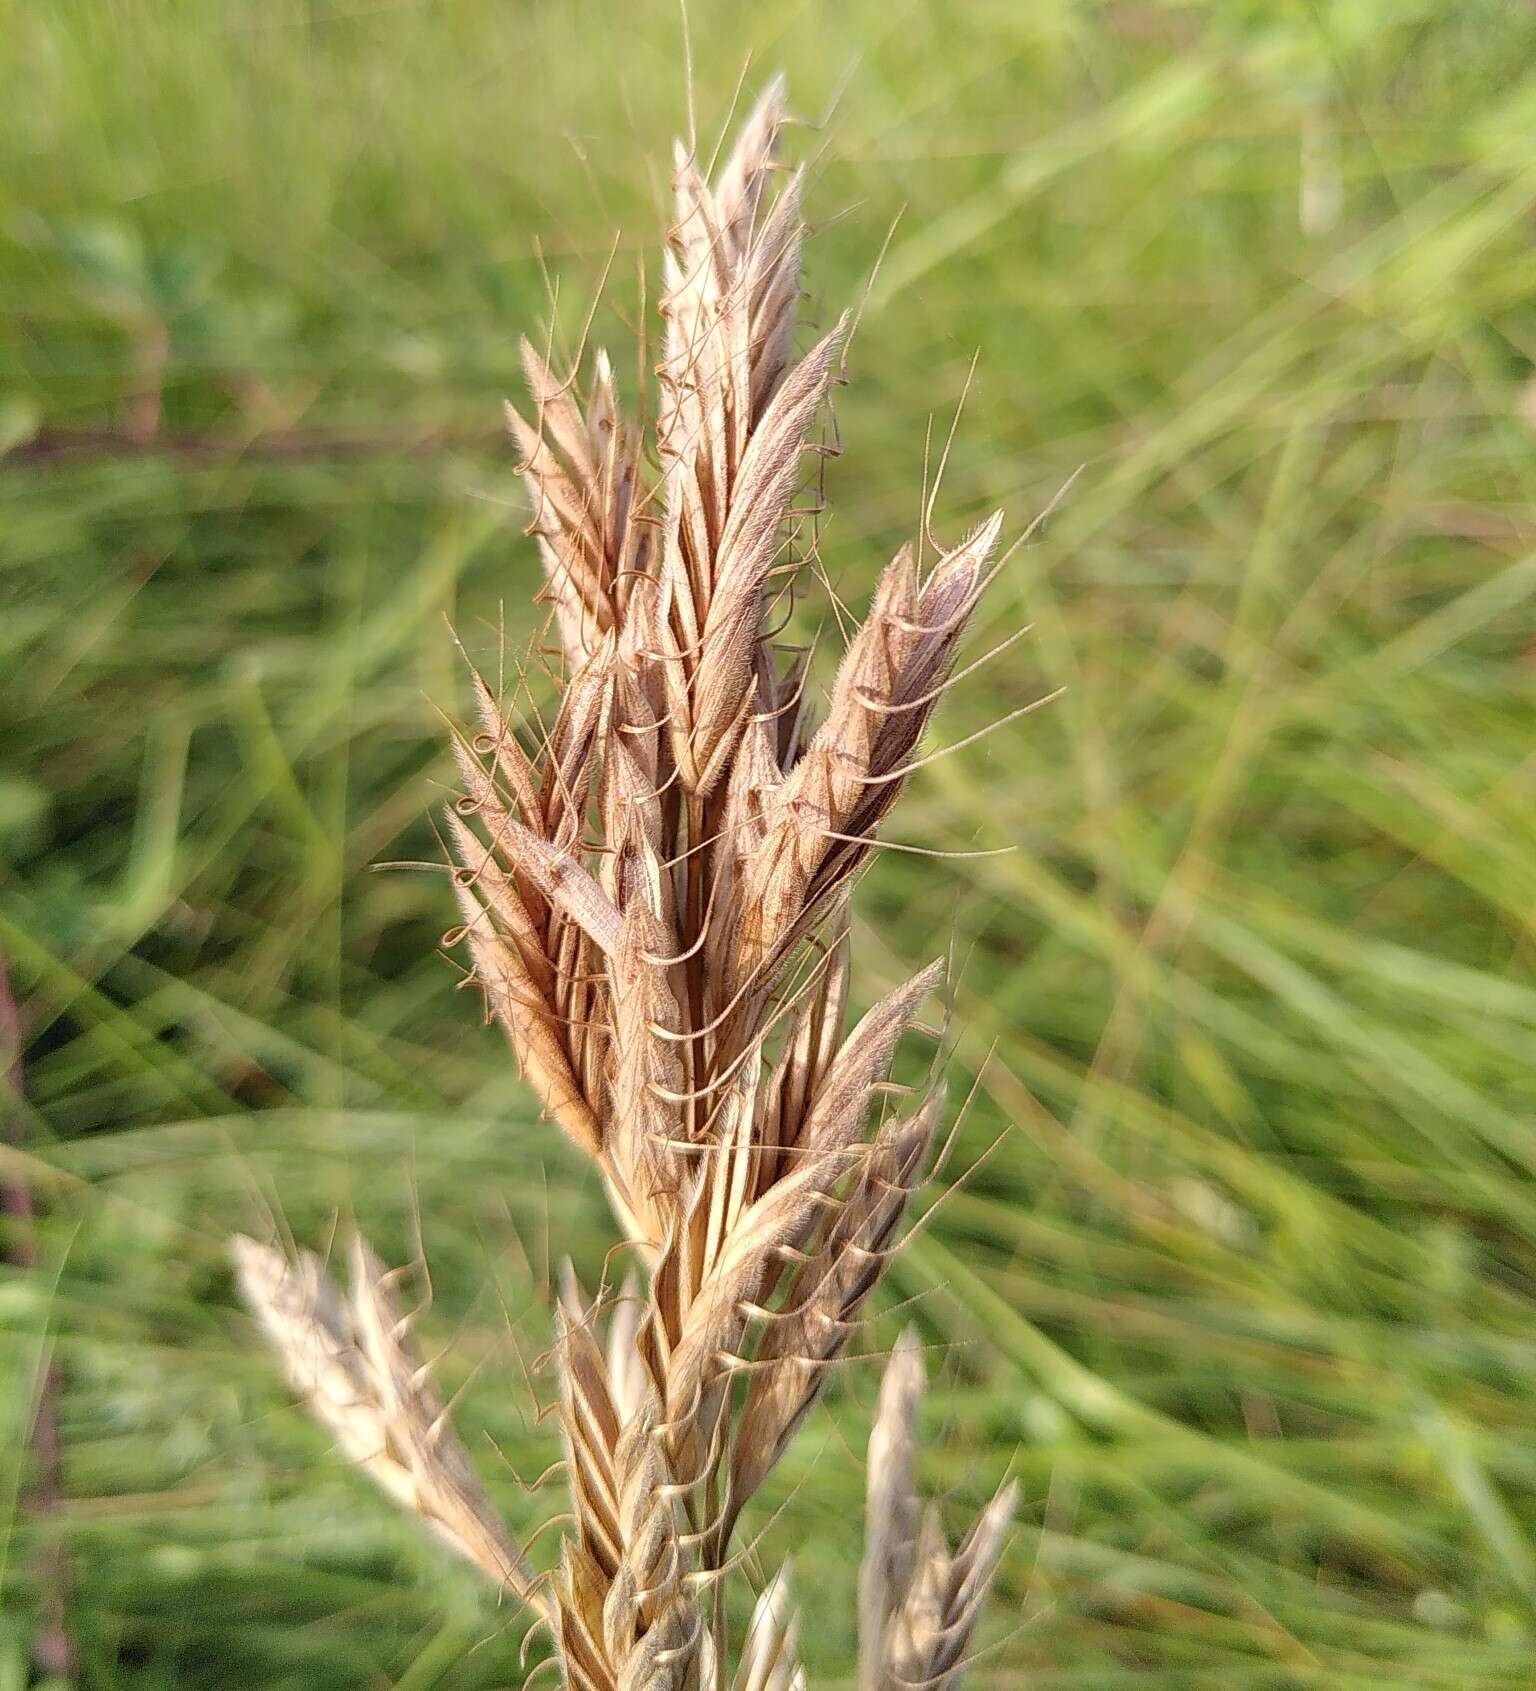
(654, 896)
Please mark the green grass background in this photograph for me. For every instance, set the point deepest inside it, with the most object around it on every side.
(1244, 1291)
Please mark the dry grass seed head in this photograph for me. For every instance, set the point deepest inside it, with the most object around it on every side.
(638, 891)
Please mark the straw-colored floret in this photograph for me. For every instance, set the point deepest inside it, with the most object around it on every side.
(654, 902)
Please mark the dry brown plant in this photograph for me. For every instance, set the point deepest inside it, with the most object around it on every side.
(654, 895)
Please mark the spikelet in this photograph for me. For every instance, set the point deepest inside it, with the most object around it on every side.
(350, 1359)
(918, 1605)
(654, 899)
(770, 1658)
(627, 1617)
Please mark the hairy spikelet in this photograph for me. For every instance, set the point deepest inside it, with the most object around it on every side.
(918, 1605)
(349, 1358)
(653, 881)
(823, 1301)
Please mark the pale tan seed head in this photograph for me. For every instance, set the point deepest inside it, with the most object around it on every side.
(654, 880)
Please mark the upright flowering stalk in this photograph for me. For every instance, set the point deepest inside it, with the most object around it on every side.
(654, 897)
